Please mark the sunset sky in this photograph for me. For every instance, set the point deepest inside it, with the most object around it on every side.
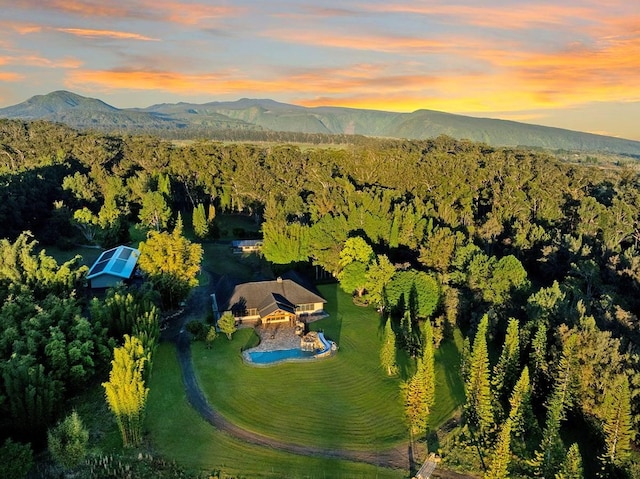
(572, 64)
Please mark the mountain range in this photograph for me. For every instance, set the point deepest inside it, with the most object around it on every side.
(196, 120)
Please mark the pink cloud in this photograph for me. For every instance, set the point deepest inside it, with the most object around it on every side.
(118, 35)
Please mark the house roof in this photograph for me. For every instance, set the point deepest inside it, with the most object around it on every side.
(287, 292)
(275, 302)
(119, 261)
(246, 243)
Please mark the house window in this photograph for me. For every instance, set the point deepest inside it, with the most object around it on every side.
(302, 308)
(278, 319)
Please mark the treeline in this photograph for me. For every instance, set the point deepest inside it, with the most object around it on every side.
(440, 230)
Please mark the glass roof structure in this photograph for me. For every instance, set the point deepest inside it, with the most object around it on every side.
(119, 262)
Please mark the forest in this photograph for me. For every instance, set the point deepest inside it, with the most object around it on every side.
(534, 260)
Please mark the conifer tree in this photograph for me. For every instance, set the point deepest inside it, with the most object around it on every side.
(498, 469)
(572, 466)
(618, 422)
(428, 361)
(415, 400)
(521, 413)
(200, 223)
(126, 392)
(388, 350)
(551, 452)
(506, 370)
(478, 409)
(538, 359)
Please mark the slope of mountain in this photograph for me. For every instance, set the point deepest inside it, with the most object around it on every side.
(84, 113)
(198, 120)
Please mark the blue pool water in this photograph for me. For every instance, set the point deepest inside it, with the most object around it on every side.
(267, 357)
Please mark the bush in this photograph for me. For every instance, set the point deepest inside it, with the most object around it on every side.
(68, 441)
(16, 460)
(198, 329)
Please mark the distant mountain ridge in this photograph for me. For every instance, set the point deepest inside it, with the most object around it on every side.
(265, 114)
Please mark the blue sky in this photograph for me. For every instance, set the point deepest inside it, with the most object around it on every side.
(575, 65)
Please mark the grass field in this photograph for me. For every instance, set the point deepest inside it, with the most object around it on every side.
(344, 402)
(177, 432)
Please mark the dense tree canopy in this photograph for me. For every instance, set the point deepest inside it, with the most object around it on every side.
(172, 263)
(456, 229)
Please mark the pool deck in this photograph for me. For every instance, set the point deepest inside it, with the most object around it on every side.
(273, 338)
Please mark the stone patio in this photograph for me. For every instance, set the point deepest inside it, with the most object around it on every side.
(273, 338)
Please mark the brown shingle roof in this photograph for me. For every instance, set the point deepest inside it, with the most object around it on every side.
(259, 294)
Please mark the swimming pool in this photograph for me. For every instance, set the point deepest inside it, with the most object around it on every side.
(263, 358)
(268, 357)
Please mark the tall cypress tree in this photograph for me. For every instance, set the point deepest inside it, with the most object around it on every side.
(200, 223)
(428, 361)
(415, 400)
(551, 452)
(388, 350)
(572, 466)
(502, 454)
(478, 409)
(617, 426)
(506, 370)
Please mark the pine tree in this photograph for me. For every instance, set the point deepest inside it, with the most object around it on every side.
(478, 409)
(551, 452)
(538, 359)
(415, 400)
(506, 370)
(428, 361)
(388, 350)
(521, 413)
(502, 454)
(618, 422)
(572, 465)
(125, 392)
(200, 224)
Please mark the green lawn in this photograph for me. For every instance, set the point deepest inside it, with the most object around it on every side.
(343, 402)
(177, 432)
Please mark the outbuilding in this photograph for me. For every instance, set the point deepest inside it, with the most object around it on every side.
(113, 266)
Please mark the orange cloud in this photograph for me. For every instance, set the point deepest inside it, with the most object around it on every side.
(158, 10)
(89, 33)
(375, 42)
(507, 17)
(11, 76)
(312, 81)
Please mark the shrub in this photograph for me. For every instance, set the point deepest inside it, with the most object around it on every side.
(198, 329)
(68, 441)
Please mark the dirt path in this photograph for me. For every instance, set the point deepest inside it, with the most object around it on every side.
(199, 300)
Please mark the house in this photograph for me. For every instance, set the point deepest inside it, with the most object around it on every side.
(287, 299)
(113, 266)
(246, 246)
